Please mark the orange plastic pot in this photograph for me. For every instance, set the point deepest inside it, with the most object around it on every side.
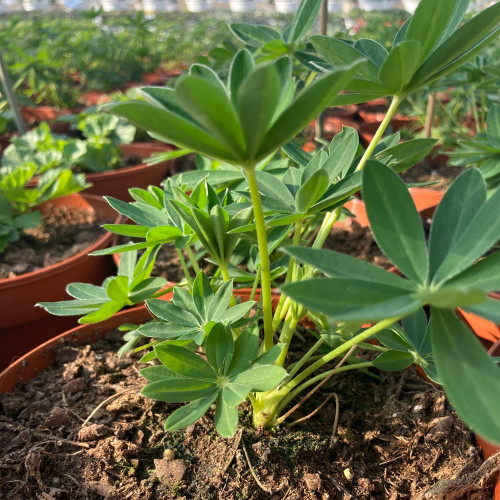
(34, 115)
(23, 326)
(372, 122)
(42, 356)
(94, 97)
(484, 328)
(117, 182)
(337, 117)
(426, 200)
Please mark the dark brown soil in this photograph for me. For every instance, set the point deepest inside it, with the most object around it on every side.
(395, 439)
(168, 265)
(443, 175)
(351, 238)
(65, 232)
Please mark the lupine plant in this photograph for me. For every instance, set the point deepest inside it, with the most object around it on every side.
(250, 350)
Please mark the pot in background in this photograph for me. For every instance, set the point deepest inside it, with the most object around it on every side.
(117, 182)
(24, 326)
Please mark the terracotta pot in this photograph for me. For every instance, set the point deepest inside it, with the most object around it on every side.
(32, 115)
(5, 140)
(368, 129)
(485, 329)
(94, 97)
(117, 182)
(160, 76)
(30, 325)
(426, 200)
(337, 117)
(310, 146)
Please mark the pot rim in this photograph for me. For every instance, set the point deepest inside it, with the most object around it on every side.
(59, 267)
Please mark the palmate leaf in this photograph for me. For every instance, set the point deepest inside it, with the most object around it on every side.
(470, 377)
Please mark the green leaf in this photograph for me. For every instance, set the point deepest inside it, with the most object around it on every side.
(394, 220)
(86, 291)
(339, 53)
(146, 288)
(428, 24)
(483, 275)
(471, 379)
(202, 294)
(226, 417)
(245, 350)
(190, 413)
(166, 311)
(157, 373)
(241, 67)
(342, 152)
(171, 127)
(219, 348)
(127, 230)
(372, 49)
(221, 301)
(185, 362)
(296, 153)
(459, 44)
(476, 239)
(117, 289)
(72, 307)
(405, 155)
(270, 356)
(211, 106)
(260, 378)
(303, 19)
(162, 234)
(159, 330)
(256, 102)
(236, 312)
(488, 309)
(454, 214)
(393, 361)
(339, 265)
(104, 311)
(400, 65)
(346, 299)
(150, 218)
(493, 125)
(252, 35)
(29, 219)
(448, 297)
(312, 190)
(177, 389)
(304, 108)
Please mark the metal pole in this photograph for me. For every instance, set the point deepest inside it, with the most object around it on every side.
(9, 92)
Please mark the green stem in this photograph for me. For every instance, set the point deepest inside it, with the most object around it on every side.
(289, 275)
(483, 109)
(226, 278)
(369, 332)
(192, 259)
(265, 268)
(474, 109)
(307, 356)
(328, 222)
(184, 266)
(317, 378)
(286, 335)
(396, 101)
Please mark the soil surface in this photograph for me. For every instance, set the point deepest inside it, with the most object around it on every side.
(65, 232)
(442, 175)
(395, 439)
(352, 238)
